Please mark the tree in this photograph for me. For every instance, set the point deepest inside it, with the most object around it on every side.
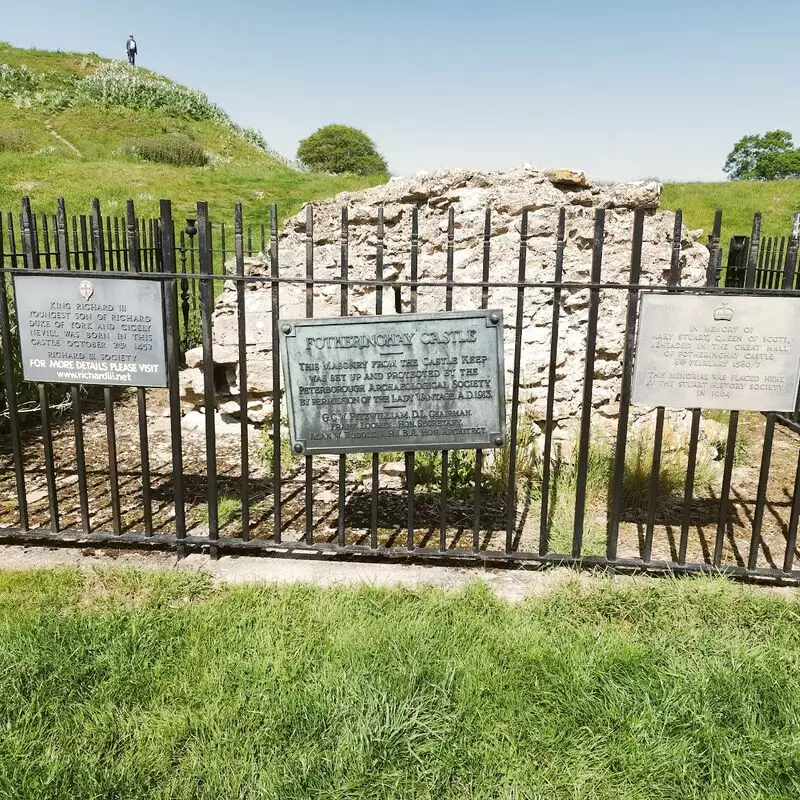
(340, 148)
(763, 158)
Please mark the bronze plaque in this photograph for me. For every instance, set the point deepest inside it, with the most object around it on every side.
(403, 382)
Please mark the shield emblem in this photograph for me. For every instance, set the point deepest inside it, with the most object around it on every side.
(86, 289)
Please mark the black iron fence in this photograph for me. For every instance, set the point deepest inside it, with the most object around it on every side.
(81, 476)
(772, 268)
(73, 241)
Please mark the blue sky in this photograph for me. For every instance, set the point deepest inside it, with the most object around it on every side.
(621, 89)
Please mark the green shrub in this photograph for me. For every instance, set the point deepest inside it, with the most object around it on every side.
(339, 148)
(175, 149)
(18, 80)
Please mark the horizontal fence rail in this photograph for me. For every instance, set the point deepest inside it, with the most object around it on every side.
(123, 466)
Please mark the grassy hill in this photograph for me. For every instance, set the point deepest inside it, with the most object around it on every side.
(739, 200)
(71, 123)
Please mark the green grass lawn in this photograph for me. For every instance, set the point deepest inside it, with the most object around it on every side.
(131, 685)
(739, 200)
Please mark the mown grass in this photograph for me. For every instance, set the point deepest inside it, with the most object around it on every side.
(739, 200)
(126, 685)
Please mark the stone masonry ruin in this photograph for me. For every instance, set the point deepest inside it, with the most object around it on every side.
(542, 194)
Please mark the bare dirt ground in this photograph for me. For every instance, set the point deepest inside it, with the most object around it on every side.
(392, 502)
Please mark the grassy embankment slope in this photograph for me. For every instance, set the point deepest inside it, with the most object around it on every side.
(739, 200)
(101, 123)
(131, 685)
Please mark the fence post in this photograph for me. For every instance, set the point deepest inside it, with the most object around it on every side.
(11, 394)
(511, 489)
(242, 336)
(179, 491)
(625, 390)
(276, 369)
(588, 382)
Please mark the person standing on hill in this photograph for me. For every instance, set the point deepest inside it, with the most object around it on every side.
(130, 46)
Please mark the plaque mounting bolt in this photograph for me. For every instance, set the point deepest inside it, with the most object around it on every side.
(498, 440)
(494, 318)
(298, 448)
(286, 328)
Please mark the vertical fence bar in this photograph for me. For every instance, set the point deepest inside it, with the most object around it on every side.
(11, 394)
(30, 260)
(184, 292)
(244, 491)
(761, 495)
(625, 390)
(96, 230)
(776, 267)
(544, 515)
(588, 382)
(752, 260)
(134, 265)
(409, 457)
(762, 276)
(487, 247)
(206, 310)
(77, 421)
(790, 265)
(309, 313)
(263, 239)
(85, 253)
(54, 229)
(448, 306)
(714, 251)
(343, 303)
(62, 235)
(12, 239)
(46, 241)
(794, 518)
(250, 238)
(511, 491)
(373, 517)
(121, 253)
(76, 254)
(694, 433)
(223, 247)
(108, 397)
(276, 367)
(658, 436)
(144, 254)
(733, 419)
(109, 243)
(173, 355)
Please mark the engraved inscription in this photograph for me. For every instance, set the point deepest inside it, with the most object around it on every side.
(402, 382)
(738, 353)
(102, 331)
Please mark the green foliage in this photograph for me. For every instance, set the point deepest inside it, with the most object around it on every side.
(176, 149)
(165, 685)
(766, 158)
(118, 84)
(340, 148)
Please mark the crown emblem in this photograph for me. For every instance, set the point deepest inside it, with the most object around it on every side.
(86, 289)
(723, 313)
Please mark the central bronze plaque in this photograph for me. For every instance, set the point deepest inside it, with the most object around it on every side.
(405, 382)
